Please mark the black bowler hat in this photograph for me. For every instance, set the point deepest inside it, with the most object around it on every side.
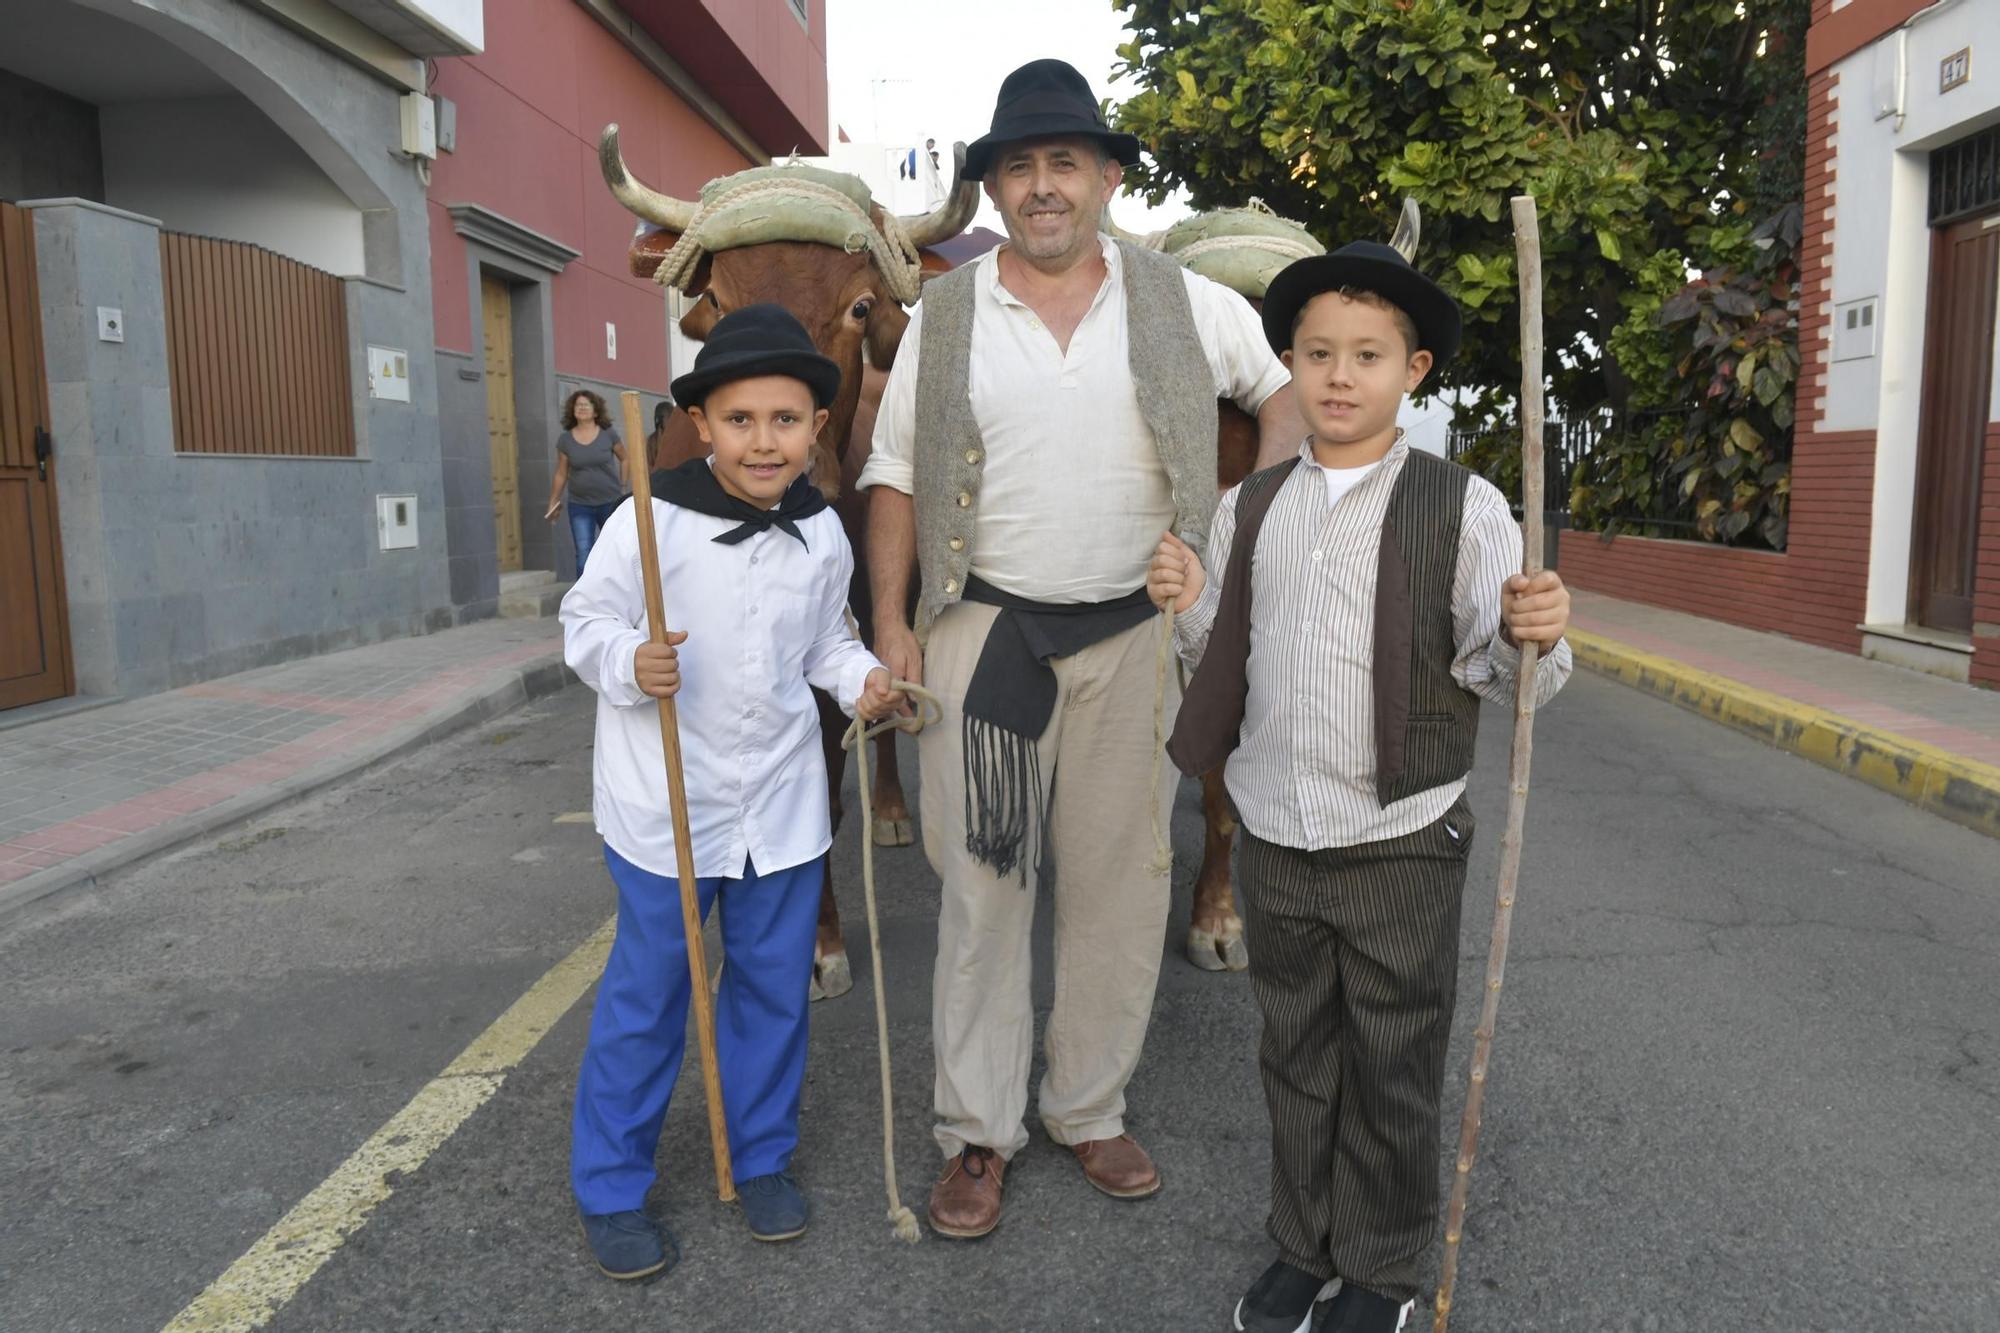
(1046, 99)
(757, 340)
(1364, 266)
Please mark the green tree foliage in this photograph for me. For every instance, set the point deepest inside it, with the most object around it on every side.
(1709, 441)
(1631, 125)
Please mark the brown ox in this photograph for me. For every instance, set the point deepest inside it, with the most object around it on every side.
(844, 301)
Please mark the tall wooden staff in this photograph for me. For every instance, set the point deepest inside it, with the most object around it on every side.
(1528, 252)
(670, 741)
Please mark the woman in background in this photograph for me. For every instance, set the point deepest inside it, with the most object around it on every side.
(590, 461)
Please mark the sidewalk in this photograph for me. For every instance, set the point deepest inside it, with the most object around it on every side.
(1930, 741)
(86, 792)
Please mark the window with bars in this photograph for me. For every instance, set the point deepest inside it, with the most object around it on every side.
(1965, 177)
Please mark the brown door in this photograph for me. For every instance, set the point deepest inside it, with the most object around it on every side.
(496, 303)
(1958, 374)
(34, 623)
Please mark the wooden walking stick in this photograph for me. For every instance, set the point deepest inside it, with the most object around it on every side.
(1528, 252)
(670, 741)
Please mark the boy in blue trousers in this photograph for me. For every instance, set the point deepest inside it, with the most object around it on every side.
(754, 571)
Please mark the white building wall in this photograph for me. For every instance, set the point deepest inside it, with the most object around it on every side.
(1891, 114)
(217, 166)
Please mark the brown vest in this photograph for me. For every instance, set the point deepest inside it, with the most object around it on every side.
(1425, 722)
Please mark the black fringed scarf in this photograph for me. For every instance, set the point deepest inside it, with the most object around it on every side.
(692, 485)
(1008, 704)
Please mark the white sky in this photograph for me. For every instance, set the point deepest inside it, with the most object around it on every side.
(899, 71)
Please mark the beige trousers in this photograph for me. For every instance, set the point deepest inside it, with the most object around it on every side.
(1110, 904)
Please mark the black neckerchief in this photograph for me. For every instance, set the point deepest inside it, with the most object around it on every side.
(692, 485)
(1008, 704)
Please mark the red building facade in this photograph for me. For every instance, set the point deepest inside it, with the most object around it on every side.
(531, 295)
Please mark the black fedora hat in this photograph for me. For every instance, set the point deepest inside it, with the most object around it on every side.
(1046, 99)
(757, 340)
(1364, 266)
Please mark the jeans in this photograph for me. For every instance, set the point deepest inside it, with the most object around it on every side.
(585, 522)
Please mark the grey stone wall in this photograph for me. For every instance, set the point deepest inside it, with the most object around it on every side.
(48, 142)
(180, 567)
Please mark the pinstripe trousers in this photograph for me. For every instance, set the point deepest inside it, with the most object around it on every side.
(1354, 963)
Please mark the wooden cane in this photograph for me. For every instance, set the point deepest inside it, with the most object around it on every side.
(670, 742)
(1528, 253)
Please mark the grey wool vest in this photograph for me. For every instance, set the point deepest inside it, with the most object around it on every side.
(1425, 722)
(1170, 372)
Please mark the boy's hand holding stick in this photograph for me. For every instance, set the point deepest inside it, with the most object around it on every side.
(656, 663)
(1528, 252)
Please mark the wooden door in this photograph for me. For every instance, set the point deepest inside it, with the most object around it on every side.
(496, 303)
(34, 621)
(1958, 375)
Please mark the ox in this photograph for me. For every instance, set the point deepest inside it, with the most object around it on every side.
(798, 239)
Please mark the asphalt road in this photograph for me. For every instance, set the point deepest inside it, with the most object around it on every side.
(1748, 1072)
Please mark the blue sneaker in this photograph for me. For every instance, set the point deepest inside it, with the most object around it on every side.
(628, 1245)
(773, 1206)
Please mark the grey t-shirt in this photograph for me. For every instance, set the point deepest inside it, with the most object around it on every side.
(593, 471)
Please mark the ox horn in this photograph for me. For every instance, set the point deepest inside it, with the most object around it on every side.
(953, 215)
(1409, 227)
(671, 213)
(1110, 228)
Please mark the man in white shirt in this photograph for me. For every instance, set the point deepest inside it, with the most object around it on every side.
(1051, 409)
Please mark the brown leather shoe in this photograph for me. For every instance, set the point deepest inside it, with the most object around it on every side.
(1118, 1166)
(965, 1203)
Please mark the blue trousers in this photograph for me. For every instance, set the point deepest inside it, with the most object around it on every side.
(638, 1032)
(585, 523)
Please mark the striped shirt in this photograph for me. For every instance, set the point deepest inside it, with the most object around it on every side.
(1304, 773)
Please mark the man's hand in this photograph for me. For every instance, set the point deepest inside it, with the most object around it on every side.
(1175, 577)
(896, 645)
(878, 700)
(1534, 610)
(656, 667)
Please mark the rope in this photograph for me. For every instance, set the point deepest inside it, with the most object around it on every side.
(1277, 245)
(888, 241)
(859, 733)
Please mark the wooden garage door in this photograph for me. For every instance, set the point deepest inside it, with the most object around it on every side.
(34, 624)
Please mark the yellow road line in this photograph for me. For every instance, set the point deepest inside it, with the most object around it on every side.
(574, 817)
(271, 1272)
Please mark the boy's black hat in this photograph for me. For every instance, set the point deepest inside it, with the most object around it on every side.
(1364, 266)
(757, 340)
(1041, 100)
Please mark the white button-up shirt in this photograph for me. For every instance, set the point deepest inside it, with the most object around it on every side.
(764, 618)
(1304, 773)
(1073, 497)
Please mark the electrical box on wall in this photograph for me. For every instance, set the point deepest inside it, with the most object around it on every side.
(419, 125)
(396, 522)
(447, 124)
(389, 373)
(610, 341)
(1854, 324)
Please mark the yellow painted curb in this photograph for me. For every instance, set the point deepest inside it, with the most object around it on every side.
(1962, 790)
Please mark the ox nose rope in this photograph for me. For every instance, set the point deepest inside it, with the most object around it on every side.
(929, 710)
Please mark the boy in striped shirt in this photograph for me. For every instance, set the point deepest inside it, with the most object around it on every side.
(1370, 597)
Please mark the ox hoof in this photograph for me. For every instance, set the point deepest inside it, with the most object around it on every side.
(1212, 952)
(832, 977)
(894, 833)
